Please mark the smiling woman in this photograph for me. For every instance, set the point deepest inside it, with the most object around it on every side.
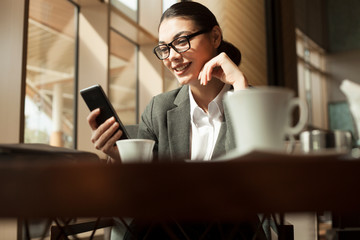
(189, 122)
(206, 67)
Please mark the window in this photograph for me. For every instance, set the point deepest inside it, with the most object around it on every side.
(123, 77)
(168, 3)
(311, 76)
(51, 73)
(135, 74)
(128, 7)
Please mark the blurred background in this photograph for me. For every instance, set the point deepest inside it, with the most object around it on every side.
(53, 48)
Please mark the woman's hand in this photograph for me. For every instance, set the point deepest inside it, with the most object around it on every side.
(104, 137)
(223, 68)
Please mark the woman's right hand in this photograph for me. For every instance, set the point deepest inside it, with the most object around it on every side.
(223, 68)
(104, 137)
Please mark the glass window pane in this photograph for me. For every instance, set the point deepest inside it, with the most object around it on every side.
(311, 79)
(49, 104)
(128, 7)
(123, 78)
(168, 3)
(315, 59)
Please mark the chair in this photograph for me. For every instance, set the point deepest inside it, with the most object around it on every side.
(61, 232)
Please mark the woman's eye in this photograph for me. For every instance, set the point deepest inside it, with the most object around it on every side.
(163, 49)
(181, 41)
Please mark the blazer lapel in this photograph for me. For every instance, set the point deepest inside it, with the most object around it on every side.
(179, 126)
(226, 140)
(221, 141)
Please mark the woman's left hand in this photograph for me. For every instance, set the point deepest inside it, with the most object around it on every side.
(223, 68)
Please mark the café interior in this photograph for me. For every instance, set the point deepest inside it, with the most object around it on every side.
(51, 49)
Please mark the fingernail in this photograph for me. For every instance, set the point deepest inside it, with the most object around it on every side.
(110, 120)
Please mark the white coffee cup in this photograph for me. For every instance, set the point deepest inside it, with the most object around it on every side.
(262, 117)
(135, 150)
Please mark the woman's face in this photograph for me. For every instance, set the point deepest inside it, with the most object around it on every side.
(186, 66)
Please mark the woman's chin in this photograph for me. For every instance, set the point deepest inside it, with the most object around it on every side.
(186, 80)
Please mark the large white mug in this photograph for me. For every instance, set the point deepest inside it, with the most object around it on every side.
(262, 117)
(135, 150)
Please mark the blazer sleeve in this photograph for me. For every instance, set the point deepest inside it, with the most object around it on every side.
(146, 125)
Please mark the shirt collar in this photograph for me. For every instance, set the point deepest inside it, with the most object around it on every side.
(215, 107)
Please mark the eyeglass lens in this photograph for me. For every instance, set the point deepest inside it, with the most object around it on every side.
(180, 44)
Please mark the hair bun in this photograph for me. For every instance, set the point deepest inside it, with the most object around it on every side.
(230, 50)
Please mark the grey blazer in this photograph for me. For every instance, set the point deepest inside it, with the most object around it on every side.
(166, 120)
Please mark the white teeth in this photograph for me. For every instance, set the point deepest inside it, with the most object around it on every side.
(181, 68)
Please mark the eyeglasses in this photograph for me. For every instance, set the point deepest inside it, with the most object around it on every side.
(179, 44)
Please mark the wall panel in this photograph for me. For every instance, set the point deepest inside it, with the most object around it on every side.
(11, 83)
(93, 61)
(243, 24)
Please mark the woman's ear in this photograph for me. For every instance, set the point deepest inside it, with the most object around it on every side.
(216, 35)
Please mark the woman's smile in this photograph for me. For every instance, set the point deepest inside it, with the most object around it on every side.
(181, 68)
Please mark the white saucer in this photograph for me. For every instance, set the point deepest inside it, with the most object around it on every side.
(238, 155)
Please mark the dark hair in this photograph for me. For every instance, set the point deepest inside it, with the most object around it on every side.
(205, 20)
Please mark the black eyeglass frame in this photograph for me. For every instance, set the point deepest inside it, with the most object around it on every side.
(168, 45)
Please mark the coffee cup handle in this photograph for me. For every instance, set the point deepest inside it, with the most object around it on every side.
(303, 116)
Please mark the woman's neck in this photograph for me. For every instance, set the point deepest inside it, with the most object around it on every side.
(203, 95)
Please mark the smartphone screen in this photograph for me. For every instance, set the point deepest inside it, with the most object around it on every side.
(94, 98)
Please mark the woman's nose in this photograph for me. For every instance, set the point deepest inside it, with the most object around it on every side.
(173, 54)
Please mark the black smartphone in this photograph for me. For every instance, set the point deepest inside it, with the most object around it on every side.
(95, 97)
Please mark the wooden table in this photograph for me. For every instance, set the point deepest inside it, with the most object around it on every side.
(257, 183)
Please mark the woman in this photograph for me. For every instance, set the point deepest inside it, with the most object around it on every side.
(188, 122)
(186, 119)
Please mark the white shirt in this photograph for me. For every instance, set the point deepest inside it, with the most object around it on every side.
(205, 127)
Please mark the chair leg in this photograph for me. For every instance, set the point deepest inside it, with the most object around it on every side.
(56, 233)
(59, 232)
